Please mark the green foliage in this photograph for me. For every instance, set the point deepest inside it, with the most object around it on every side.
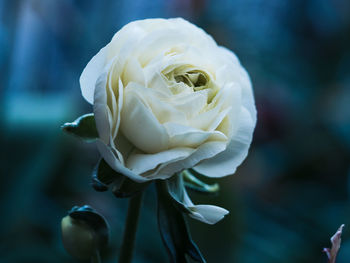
(104, 176)
(193, 183)
(83, 127)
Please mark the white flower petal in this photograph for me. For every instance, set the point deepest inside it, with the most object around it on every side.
(157, 42)
(125, 38)
(232, 71)
(141, 127)
(208, 214)
(163, 111)
(184, 136)
(226, 162)
(122, 44)
(247, 95)
(91, 73)
(223, 100)
(205, 151)
(102, 114)
(133, 72)
(190, 104)
(141, 163)
(156, 82)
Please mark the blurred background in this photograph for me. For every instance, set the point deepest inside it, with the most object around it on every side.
(286, 200)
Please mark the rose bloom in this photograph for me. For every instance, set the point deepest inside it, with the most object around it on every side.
(166, 97)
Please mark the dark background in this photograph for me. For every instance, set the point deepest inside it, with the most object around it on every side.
(288, 197)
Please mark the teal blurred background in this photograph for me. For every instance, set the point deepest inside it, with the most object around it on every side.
(288, 197)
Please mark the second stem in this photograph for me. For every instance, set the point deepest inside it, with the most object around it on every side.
(132, 219)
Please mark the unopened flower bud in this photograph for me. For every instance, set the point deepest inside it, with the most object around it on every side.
(84, 232)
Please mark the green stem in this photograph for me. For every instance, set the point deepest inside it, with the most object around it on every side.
(130, 228)
(96, 257)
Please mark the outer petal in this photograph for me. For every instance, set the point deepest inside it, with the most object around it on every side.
(103, 116)
(226, 162)
(121, 44)
(206, 150)
(209, 214)
(91, 73)
(140, 163)
(232, 71)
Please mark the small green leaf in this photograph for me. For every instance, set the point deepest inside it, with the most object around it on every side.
(83, 127)
(103, 175)
(197, 185)
(173, 228)
(127, 187)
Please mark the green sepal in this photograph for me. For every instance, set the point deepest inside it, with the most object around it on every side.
(84, 127)
(173, 228)
(127, 187)
(193, 183)
(104, 177)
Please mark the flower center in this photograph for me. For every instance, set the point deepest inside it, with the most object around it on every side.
(195, 79)
(187, 78)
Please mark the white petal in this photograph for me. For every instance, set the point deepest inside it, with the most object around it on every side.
(198, 35)
(228, 55)
(116, 122)
(230, 126)
(133, 72)
(226, 162)
(140, 126)
(209, 214)
(122, 44)
(157, 42)
(102, 114)
(155, 81)
(125, 40)
(190, 104)
(232, 71)
(208, 119)
(184, 136)
(141, 163)
(122, 147)
(112, 95)
(91, 73)
(163, 111)
(205, 151)
(247, 95)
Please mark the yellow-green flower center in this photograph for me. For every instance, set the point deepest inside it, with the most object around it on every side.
(188, 78)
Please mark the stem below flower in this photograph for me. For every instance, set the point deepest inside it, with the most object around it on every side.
(132, 218)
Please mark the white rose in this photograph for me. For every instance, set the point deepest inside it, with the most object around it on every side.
(166, 97)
